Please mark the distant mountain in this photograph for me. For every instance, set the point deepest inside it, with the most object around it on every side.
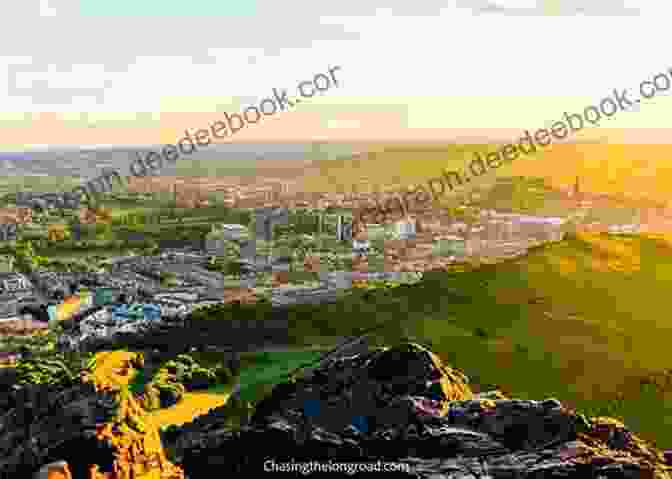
(88, 162)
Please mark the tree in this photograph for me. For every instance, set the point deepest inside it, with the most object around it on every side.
(26, 248)
(42, 261)
(103, 231)
(151, 247)
(233, 268)
(301, 246)
(24, 254)
(167, 278)
(58, 232)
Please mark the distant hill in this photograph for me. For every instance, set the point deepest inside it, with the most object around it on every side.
(53, 170)
(629, 169)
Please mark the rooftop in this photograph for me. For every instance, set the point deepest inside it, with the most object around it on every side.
(10, 275)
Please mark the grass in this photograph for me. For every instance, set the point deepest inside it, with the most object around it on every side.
(578, 320)
(260, 371)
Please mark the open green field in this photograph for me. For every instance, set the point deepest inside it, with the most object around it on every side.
(260, 371)
(581, 321)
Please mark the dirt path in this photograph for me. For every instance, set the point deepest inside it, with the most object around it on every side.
(112, 369)
(191, 406)
(133, 432)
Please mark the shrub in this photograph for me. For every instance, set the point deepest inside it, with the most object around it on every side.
(201, 379)
(52, 371)
(224, 375)
(481, 333)
(168, 398)
(151, 400)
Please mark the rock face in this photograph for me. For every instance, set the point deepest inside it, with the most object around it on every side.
(403, 407)
(45, 424)
(397, 410)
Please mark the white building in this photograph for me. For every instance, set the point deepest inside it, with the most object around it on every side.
(177, 295)
(360, 246)
(9, 307)
(624, 229)
(10, 282)
(171, 308)
(404, 229)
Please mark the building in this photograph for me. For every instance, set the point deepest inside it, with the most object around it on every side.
(505, 226)
(266, 218)
(361, 247)
(171, 308)
(218, 241)
(86, 298)
(344, 228)
(104, 296)
(66, 310)
(152, 312)
(624, 229)
(136, 312)
(9, 307)
(233, 231)
(11, 282)
(404, 229)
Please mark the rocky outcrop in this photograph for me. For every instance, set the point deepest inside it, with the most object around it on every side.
(395, 408)
(48, 424)
(403, 406)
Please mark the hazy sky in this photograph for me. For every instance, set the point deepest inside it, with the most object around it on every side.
(129, 72)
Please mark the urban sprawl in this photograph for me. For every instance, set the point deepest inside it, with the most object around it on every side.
(189, 244)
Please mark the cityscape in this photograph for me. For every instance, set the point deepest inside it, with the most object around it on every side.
(370, 239)
(168, 283)
(188, 268)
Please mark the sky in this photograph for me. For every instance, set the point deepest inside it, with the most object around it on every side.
(95, 72)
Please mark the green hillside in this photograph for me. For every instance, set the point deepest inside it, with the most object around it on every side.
(579, 320)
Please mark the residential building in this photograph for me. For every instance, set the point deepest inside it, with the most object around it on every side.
(104, 296)
(360, 247)
(344, 228)
(171, 308)
(405, 229)
(9, 307)
(11, 282)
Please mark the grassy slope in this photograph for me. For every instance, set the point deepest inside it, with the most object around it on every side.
(580, 320)
(258, 373)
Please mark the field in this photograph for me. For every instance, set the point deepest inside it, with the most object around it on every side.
(580, 321)
(266, 369)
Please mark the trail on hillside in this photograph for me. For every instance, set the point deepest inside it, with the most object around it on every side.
(190, 407)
